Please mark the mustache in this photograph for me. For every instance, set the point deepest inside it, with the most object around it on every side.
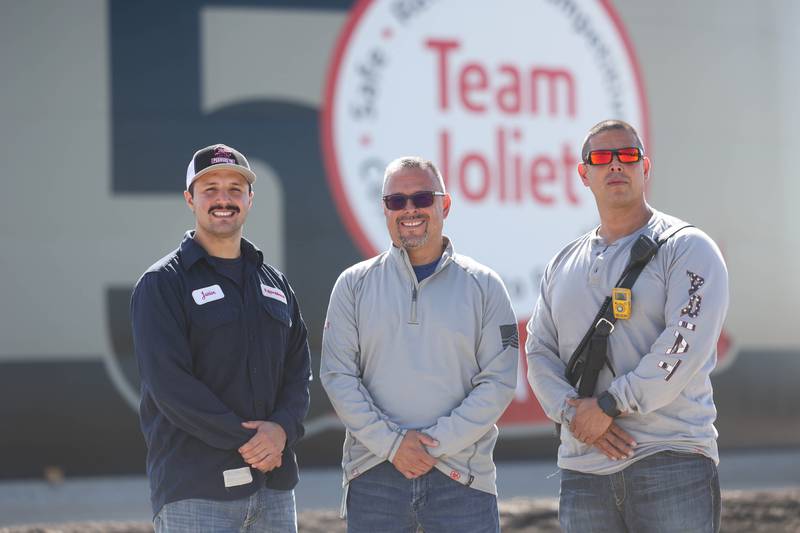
(412, 217)
(228, 207)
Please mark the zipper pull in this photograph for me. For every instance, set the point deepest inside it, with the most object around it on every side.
(413, 318)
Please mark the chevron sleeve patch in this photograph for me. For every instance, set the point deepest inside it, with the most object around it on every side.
(509, 336)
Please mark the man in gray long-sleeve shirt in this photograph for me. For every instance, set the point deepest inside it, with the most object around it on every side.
(641, 455)
(419, 359)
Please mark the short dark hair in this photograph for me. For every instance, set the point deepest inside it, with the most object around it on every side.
(606, 125)
(191, 189)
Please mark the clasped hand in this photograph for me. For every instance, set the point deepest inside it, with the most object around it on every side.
(264, 449)
(412, 459)
(591, 425)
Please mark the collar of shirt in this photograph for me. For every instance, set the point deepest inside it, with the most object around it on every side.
(192, 252)
(401, 256)
(597, 241)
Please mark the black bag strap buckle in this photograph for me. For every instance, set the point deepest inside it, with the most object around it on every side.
(604, 327)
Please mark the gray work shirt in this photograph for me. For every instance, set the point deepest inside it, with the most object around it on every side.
(663, 355)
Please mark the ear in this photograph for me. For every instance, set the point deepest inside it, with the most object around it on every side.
(446, 205)
(251, 195)
(385, 210)
(582, 173)
(189, 200)
(647, 166)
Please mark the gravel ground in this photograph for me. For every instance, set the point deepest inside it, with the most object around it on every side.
(776, 511)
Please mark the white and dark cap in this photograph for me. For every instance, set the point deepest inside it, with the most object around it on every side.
(216, 157)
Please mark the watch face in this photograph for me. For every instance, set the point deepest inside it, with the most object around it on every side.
(608, 404)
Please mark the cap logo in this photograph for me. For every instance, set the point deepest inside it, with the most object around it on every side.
(223, 155)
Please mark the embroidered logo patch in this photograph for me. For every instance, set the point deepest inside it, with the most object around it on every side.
(692, 309)
(272, 292)
(680, 346)
(509, 336)
(695, 281)
(207, 294)
(668, 368)
(222, 155)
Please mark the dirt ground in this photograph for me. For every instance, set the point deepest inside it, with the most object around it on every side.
(742, 512)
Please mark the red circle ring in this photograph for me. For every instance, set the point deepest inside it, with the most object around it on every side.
(326, 131)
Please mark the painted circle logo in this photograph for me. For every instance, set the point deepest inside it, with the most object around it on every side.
(499, 95)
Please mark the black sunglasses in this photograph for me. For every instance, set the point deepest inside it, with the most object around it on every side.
(396, 202)
(624, 155)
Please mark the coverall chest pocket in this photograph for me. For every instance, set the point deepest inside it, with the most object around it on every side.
(214, 315)
(277, 311)
(274, 325)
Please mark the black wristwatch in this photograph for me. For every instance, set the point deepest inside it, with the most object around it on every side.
(608, 404)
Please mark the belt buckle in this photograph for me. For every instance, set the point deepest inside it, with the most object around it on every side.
(607, 322)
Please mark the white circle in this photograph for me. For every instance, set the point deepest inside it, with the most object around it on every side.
(499, 95)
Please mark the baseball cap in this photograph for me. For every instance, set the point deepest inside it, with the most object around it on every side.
(216, 157)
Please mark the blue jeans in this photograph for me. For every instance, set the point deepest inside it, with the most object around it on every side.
(266, 510)
(666, 492)
(382, 500)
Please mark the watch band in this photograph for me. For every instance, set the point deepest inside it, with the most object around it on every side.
(608, 404)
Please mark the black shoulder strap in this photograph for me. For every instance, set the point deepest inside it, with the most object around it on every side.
(670, 232)
(584, 365)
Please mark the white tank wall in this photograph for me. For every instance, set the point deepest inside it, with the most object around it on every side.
(722, 82)
(64, 236)
(721, 79)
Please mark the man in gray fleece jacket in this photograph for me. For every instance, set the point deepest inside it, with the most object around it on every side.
(642, 454)
(419, 359)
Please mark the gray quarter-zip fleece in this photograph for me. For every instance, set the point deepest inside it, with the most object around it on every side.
(662, 355)
(439, 356)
